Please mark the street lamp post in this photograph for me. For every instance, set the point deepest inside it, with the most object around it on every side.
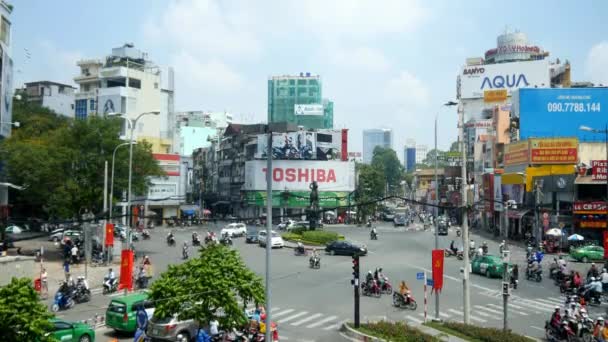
(605, 132)
(111, 201)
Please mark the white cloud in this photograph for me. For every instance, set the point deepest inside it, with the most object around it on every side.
(360, 18)
(364, 58)
(596, 66)
(407, 90)
(206, 27)
(213, 76)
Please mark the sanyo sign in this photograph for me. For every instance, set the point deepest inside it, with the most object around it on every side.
(475, 79)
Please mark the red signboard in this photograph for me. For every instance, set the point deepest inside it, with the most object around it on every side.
(126, 270)
(488, 192)
(344, 144)
(438, 255)
(109, 234)
(599, 170)
(589, 207)
(605, 244)
(168, 162)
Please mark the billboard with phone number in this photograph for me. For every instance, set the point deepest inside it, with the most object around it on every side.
(559, 112)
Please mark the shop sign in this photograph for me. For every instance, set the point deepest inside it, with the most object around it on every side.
(516, 153)
(599, 170)
(594, 207)
(554, 151)
(497, 95)
(592, 224)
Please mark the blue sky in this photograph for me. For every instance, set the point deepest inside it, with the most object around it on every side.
(385, 63)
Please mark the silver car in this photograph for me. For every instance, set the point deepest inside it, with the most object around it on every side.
(168, 329)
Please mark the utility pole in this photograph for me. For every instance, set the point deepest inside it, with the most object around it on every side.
(105, 207)
(465, 217)
(436, 218)
(355, 283)
(505, 287)
(268, 232)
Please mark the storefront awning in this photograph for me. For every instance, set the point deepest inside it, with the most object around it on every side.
(588, 180)
(513, 178)
(518, 214)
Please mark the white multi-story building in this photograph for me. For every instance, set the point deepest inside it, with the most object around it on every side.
(127, 82)
(55, 96)
(195, 129)
(421, 151)
(6, 83)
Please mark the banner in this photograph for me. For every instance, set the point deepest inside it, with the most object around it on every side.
(126, 270)
(590, 207)
(438, 255)
(554, 151)
(599, 170)
(516, 153)
(109, 234)
(605, 244)
(292, 145)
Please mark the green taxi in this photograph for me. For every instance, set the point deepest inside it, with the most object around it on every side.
(121, 313)
(586, 253)
(489, 265)
(64, 331)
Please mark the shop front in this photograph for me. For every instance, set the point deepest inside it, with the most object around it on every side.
(520, 219)
(590, 220)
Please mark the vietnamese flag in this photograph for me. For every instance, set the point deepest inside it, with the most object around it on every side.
(126, 270)
(109, 234)
(437, 259)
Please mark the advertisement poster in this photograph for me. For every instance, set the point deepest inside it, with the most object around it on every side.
(516, 153)
(476, 79)
(297, 175)
(554, 151)
(599, 170)
(292, 145)
(329, 145)
(6, 108)
(513, 192)
(559, 112)
(497, 193)
(298, 199)
(168, 163)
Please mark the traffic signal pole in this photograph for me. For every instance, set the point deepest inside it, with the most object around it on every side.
(355, 283)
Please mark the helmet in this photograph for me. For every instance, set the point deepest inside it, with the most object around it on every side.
(556, 307)
(592, 264)
(600, 319)
(369, 272)
(583, 310)
(592, 278)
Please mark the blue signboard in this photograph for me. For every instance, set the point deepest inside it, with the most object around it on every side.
(419, 276)
(559, 112)
(429, 282)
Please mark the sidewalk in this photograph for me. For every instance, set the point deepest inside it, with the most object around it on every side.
(56, 274)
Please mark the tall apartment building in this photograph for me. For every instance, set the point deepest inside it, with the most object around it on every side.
(127, 82)
(196, 129)
(375, 137)
(421, 151)
(299, 100)
(6, 83)
(55, 96)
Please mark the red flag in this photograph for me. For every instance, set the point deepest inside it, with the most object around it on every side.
(126, 270)
(109, 234)
(437, 260)
(605, 244)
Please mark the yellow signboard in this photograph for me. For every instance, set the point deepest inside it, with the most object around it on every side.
(554, 151)
(516, 153)
(497, 95)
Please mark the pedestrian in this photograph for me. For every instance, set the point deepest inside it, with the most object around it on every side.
(66, 269)
(514, 276)
(74, 252)
(44, 282)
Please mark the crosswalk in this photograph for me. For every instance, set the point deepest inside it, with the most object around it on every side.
(492, 312)
(304, 319)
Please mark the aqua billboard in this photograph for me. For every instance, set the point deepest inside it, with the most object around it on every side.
(559, 112)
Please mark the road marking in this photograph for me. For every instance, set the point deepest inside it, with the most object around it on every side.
(325, 320)
(416, 320)
(531, 306)
(560, 299)
(537, 328)
(292, 317)
(442, 314)
(522, 308)
(550, 301)
(483, 314)
(456, 312)
(488, 309)
(335, 326)
(510, 305)
(540, 305)
(281, 313)
(480, 320)
(274, 309)
(309, 318)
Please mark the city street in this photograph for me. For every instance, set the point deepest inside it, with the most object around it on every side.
(311, 304)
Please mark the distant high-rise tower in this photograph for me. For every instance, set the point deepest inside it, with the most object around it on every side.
(375, 137)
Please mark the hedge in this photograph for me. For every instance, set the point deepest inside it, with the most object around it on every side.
(313, 237)
(395, 332)
(480, 334)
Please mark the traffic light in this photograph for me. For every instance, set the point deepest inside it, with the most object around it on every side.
(355, 266)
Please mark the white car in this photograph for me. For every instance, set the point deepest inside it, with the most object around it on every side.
(56, 235)
(15, 230)
(276, 241)
(234, 229)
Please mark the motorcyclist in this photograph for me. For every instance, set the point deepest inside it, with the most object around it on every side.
(514, 276)
(380, 277)
(300, 248)
(453, 248)
(593, 272)
(597, 327)
(556, 318)
(604, 280)
(373, 233)
(404, 290)
(185, 250)
(480, 251)
(502, 246)
(472, 245)
(170, 236)
(369, 278)
(146, 261)
(194, 237)
(577, 280)
(484, 247)
(593, 289)
(110, 278)
(533, 268)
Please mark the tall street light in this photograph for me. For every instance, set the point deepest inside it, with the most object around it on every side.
(112, 176)
(447, 104)
(132, 124)
(605, 132)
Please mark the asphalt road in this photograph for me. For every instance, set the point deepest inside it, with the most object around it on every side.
(309, 305)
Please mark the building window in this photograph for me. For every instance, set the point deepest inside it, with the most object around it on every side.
(92, 108)
(292, 91)
(155, 85)
(5, 31)
(86, 87)
(292, 82)
(81, 109)
(134, 83)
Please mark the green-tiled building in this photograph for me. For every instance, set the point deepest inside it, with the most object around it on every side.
(285, 92)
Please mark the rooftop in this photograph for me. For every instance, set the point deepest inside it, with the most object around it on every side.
(35, 83)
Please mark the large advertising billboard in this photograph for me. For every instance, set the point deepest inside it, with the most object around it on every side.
(168, 163)
(554, 151)
(296, 175)
(308, 109)
(292, 145)
(476, 79)
(560, 112)
(516, 153)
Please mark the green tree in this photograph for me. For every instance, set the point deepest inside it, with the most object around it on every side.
(61, 162)
(371, 187)
(23, 317)
(455, 147)
(430, 159)
(385, 160)
(207, 287)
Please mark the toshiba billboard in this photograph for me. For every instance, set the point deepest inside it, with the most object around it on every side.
(298, 174)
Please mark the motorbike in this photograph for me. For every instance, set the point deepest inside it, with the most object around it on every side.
(386, 286)
(226, 241)
(134, 236)
(315, 262)
(113, 287)
(553, 334)
(534, 275)
(373, 235)
(145, 235)
(81, 292)
(404, 303)
(299, 251)
(62, 302)
(458, 232)
(592, 298)
(150, 225)
(196, 241)
(371, 289)
(209, 239)
(171, 240)
(141, 282)
(184, 253)
(369, 224)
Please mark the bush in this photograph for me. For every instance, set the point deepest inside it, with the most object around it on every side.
(291, 236)
(480, 333)
(397, 332)
(320, 237)
(298, 230)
